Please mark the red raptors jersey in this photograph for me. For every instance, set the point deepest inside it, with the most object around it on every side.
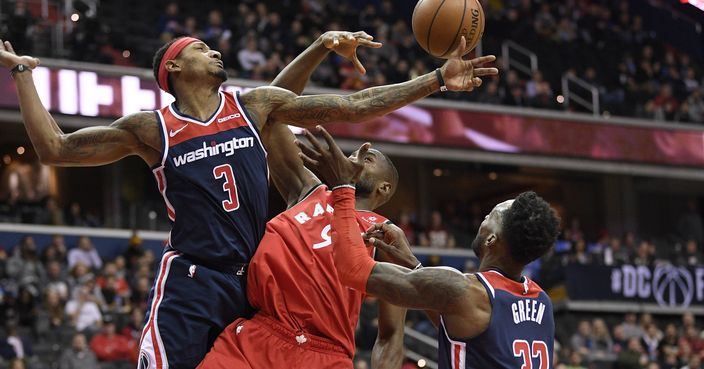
(292, 276)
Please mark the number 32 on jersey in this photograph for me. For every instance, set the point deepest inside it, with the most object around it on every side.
(538, 349)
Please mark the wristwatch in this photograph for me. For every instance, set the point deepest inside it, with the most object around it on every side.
(19, 68)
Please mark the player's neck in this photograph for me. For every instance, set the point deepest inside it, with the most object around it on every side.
(507, 268)
(364, 203)
(199, 103)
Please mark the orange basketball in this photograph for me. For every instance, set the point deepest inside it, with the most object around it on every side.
(438, 25)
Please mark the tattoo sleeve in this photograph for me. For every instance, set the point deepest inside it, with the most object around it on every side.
(103, 145)
(308, 111)
(439, 289)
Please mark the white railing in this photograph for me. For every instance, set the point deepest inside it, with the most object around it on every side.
(508, 48)
(422, 339)
(568, 82)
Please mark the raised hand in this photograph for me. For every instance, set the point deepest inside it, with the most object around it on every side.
(392, 244)
(465, 75)
(331, 163)
(9, 59)
(345, 44)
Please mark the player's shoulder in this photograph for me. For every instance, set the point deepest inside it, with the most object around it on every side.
(494, 281)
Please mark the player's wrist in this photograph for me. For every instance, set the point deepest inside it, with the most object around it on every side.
(342, 186)
(19, 69)
(441, 79)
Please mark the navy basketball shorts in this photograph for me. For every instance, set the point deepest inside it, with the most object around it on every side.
(189, 305)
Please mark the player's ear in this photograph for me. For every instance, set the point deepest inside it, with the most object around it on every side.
(384, 189)
(173, 66)
(491, 240)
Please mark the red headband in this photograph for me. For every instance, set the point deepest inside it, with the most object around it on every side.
(170, 54)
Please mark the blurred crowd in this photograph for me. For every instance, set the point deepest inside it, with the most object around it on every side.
(633, 342)
(46, 211)
(644, 77)
(62, 306)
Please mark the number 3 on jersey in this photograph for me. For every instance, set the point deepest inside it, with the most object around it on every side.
(232, 202)
(523, 349)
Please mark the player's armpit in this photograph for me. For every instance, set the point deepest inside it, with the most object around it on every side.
(441, 289)
(291, 178)
(103, 145)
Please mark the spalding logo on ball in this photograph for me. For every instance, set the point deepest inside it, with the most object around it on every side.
(438, 25)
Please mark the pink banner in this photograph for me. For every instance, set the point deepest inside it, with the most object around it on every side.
(517, 134)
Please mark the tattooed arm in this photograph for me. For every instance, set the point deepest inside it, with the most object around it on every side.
(270, 104)
(85, 147)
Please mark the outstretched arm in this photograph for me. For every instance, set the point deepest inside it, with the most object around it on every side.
(289, 175)
(270, 104)
(440, 289)
(85, 147)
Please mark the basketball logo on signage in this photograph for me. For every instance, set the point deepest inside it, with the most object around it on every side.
(673, 286)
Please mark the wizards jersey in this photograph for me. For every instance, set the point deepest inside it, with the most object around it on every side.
(214, 179)
(293, 279)
(520, 332)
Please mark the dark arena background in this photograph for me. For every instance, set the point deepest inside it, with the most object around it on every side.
(598, 107)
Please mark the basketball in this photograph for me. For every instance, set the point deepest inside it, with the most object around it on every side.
(438, 25)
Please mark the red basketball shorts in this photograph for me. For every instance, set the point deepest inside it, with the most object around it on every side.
(263, 343)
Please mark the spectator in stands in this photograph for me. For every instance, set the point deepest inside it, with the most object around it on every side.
(56, 281)
(251, 59)
(83, 313)
(409, 230)
(108, 346)
(669, 343)
(615, 254)
(75, 216)
(78, 355)
(134, 251)
(581, 340)
(619, 339)
(55, 251)
(691, 256)
(17, 363)
(602, 345)
(490, 94)
(26, 305)
(631, 329)
(644, 254)
(169, 23)
(651, 341)
(576, 361)
(14, 345)
(54, 312)
(24, 265)
(695, 107)
(579, 255)
(633, 357)
(140, 293)
(695, 362)
(133, 329)
(437, 234)
(85, 254)
(51, 214)
(691, 338)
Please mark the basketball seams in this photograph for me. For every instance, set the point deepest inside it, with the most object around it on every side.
(430, 27)
(457, 34)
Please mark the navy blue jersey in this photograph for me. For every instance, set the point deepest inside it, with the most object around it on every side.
(520, 334)
(214, 179)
